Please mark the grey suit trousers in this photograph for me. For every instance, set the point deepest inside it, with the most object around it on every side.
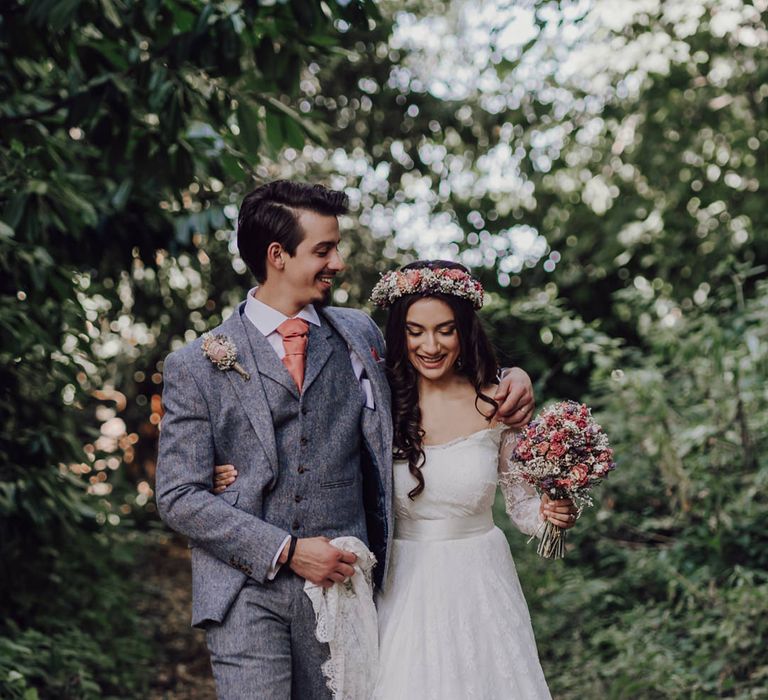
(265, 648)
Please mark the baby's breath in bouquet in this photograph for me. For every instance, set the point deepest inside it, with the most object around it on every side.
(564, 453)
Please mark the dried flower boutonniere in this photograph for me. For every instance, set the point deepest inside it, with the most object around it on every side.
(222, 352)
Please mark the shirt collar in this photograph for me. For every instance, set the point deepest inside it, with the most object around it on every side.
(266, 319)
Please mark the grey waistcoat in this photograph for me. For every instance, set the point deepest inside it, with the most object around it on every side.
(318, 489)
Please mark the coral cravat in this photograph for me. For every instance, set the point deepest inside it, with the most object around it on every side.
(294, 333)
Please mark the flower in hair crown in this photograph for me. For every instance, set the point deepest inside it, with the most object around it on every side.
(426, 280)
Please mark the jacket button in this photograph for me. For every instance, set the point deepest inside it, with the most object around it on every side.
(297, 498)
(301, 469)
(295, 525)
(303, 441)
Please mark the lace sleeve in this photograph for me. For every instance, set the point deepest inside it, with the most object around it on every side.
(520, 498)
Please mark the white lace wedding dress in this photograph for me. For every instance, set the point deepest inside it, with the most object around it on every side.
(453, 621)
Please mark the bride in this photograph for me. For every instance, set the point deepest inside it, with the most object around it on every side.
(453, 621)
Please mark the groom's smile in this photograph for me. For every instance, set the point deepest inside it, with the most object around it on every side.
(326, 280)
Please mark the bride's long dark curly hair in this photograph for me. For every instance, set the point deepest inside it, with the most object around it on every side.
(477, 362)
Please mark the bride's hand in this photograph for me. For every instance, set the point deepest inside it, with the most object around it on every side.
(223, 476)
(561, 513)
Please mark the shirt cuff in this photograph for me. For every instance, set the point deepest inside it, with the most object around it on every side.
(272, 572)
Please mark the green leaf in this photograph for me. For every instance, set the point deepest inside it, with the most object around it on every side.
(264, 54)
(72, 199)
(275, 134)
(110, 11)
(6, 231)
(14, 210)
(37, 187)
(248, 121)
(314, 130)
(324, 40)
(294, 135)
(120, 197)
(230, 165)
(183, 19)
(205, 19)
(56, 14)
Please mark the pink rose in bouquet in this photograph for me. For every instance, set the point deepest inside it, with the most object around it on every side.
(564, 453)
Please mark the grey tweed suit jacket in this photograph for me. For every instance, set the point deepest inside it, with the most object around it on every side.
(217, 417)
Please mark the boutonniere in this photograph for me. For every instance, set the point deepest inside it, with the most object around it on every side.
(221, 351)
(374, 354)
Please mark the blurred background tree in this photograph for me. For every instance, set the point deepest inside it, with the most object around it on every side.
(598, 164)
(122, 125)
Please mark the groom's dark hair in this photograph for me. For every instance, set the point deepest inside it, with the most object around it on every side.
(270, 213)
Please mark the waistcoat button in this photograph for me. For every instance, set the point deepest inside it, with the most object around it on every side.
(295, 525)
(297, 498)
(303, 441)
(301, 469)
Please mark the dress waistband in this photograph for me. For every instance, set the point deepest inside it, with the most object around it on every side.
(443, 529)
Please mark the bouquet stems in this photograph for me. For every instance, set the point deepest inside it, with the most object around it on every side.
(552, 544)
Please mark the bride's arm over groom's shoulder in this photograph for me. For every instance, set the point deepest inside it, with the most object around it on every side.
(185, 477)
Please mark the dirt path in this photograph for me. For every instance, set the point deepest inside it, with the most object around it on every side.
(183, 671)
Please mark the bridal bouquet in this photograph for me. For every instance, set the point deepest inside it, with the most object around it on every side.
(563, 453)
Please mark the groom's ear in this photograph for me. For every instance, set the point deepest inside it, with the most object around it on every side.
(275, 256)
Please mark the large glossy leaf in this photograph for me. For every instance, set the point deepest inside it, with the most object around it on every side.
(248, 121)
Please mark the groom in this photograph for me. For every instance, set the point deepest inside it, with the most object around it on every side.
(292, 392)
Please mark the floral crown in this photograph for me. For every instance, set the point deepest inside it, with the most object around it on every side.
(426, 280)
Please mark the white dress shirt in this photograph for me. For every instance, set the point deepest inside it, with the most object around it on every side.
(266, 320)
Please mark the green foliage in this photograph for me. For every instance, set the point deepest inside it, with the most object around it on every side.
(124, 125)
(606, 194)
(83, 642)
(665, 591)
(107, 113)
(39, 502)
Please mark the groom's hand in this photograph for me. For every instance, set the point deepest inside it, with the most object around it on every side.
(319, 562)
(515, 398)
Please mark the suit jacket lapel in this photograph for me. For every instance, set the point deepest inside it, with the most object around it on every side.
(362, 347)
(251, 393)
(318, 352)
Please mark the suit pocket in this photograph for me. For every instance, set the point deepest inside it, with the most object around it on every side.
(338, 484)
(229, 496)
